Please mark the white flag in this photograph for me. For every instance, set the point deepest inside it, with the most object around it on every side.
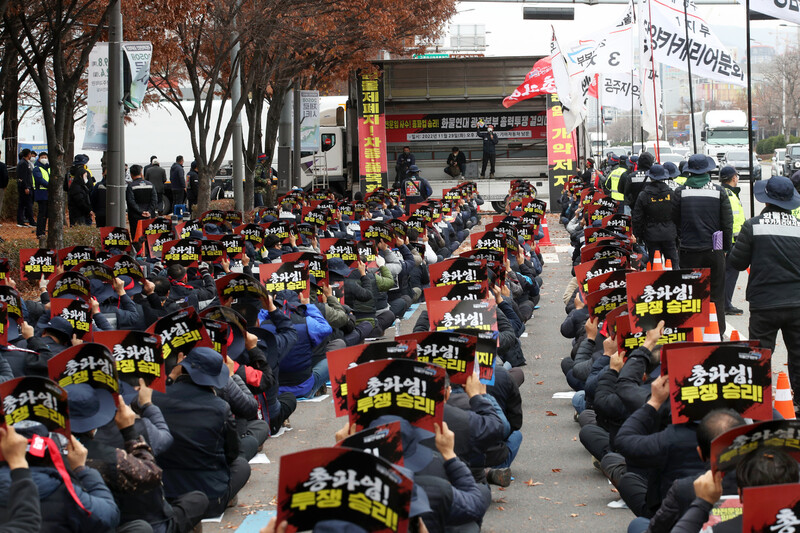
(648, 78)
(780, 9)
(560, 73)
(621, 90)
(708, 56)
(614, 51)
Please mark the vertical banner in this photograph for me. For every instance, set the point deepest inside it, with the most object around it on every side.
(97, 100)
(309, 121)
(136, 71)
(372, 165)
(561, 163)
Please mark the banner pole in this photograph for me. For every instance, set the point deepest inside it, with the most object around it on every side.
(653, 70)
(633, 127)
(749, 111)
(689, 68)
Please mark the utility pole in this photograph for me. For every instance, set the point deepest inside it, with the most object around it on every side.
(297, 172)
(115, 172)
(236, 95)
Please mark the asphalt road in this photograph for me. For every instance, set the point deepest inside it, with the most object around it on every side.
(556, 488)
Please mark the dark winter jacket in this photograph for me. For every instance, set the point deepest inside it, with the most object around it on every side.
(140, 196)
(671, 453)
(490, 140)
(205, 440)
(770, 243)
(506, 392)
(476, 418)
(59, 512)
(40, 183)
(177, 178)
(699, 209)
(79, 203)
(157, 176)
(24, 510)
(652, 213)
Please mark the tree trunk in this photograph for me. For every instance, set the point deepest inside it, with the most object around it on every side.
(249, 180)
(273, 121)
(206, 175)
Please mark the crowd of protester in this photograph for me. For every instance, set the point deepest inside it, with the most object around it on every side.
(162, 462)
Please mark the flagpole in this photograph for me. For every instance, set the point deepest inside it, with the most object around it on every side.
(633, 127)
(689, 68)
(653, 70)
(749, 112)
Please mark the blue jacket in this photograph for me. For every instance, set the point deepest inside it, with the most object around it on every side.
(40, 184)
(177, 178)
(490, 139)
(60, 513)
(312, 329)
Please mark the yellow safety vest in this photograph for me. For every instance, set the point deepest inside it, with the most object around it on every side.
(680, 180)
(45, 176)
(613, 186)
(738, 212)
(796, 212)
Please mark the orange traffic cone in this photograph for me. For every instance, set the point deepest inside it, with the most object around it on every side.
(697, 334)
(649, 267)
(657, 264)
(546, 239)
(668, 265)
(783, 397)
(711, 332)
(736, 336)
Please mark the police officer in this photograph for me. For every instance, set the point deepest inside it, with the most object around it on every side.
(704, 220)
(141, 198)
(632, 183)
(770, 244)
(611, 184)
(729, 180)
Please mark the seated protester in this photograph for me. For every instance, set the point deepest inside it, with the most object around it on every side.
(479, 431)
(763, 466)
(131, 473)
(399, 261)
(623, 388)
(360, 292)
(273, 347)
(91, 507)
(429, 257)
(573, 325)
(681, 493)
(286, 212)
(24, 510)
(509, 348)
(115, 300)
(192, 293)
(655, 458)
(297, 374)
(205, 453)
(506, 392)
(457, 500)
(384, 282)
(340, 319)
(55, 336)
(578, 366)
(244, 407)
(154, 299)
(273, 246)
(22, 360)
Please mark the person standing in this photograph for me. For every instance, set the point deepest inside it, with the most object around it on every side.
(41, 181)
(770, 244)
(177, 181)
(158, 177)
(404, 162)
(456, 163)
(98, 199)
(78, 199)
(153, 161)
(652, 216)
(703, 217)
(490, 140)
(3, 181)
(192, 186)
(414, 187)
(260, 181)
(611, 185)
(632, 183)
(729, 180)
(25, 190)
(140, 196)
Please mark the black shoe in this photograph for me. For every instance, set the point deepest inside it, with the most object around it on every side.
(321, 391)
(733, 311)
(499, 476)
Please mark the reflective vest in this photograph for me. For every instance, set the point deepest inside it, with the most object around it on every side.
(680, 180)
(738, 212)
(45, 176)
(612, 184)
(796, 212)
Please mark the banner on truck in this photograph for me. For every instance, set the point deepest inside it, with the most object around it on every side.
(464, 126)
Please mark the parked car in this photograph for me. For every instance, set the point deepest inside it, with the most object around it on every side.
(738, 160)
(779, 162)
(791, 159)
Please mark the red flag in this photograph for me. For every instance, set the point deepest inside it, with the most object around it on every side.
(538, 81)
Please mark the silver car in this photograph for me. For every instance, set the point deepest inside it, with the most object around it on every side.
(779, 162)
(738, 160)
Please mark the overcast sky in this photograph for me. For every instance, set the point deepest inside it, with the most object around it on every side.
(509, 34)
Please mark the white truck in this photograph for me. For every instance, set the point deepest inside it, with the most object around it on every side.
(724, 131)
